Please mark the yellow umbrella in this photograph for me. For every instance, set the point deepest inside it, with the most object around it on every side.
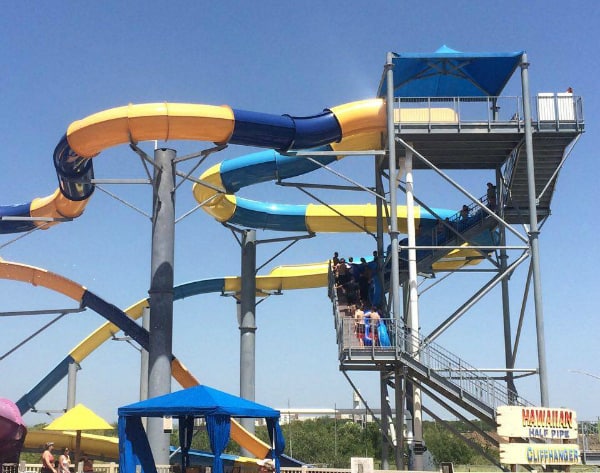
(79, 418)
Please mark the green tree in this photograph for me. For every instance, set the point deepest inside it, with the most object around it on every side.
(445, 446)
(330, 442)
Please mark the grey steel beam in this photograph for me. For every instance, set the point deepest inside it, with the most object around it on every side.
(399, 404)
(144, 357)
(161, 294)
(534, 234)
(473, 300)
(393, 226)
(508, 352)
(413, 306)
(380, 203)
(248, 325)
(72, 384)
(385, 420)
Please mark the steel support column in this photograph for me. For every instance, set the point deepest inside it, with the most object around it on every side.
(161, 294)
(393, 227)
(72, 384)
(385, 420)
(144, 362)
(379, 160)
(508, 347)
(248, 325)
(144, 358)
(399, 405)
(534, 234)
(413, 305)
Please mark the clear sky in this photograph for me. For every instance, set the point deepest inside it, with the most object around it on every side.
(62, 61)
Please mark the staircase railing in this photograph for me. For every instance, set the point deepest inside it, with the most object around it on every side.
(435, 363)
(468, 378)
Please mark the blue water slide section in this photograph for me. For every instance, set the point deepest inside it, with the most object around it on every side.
(121, 320)
(291, 166)
(115, 315)
(491, 237)
(266, 216)
(74, 172)
(317, 130)
(28, 401)
(250, 169)
(267, 166)
(429, 220)
(262, 129)
(15, 226)
(194, 288)
(284, 131)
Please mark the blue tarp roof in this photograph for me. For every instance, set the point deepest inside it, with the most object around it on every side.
(217, 407)
(198, 401)
(451, 73)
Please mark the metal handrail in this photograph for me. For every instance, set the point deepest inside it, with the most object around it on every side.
(435, 358)
(454, 370)
(458, 223)
(549, 109)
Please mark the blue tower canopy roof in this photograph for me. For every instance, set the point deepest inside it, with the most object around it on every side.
(451, 73)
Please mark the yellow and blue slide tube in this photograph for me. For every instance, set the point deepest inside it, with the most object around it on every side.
(358, 122)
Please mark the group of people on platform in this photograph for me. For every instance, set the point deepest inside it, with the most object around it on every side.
(369, 329)
(63, 464)
(355, 286)
(354, 281)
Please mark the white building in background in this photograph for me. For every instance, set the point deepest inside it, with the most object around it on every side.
(358, 412)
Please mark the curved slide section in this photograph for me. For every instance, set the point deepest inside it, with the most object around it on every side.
(282, 278)
(236, 173)
(364, 120)
(118, 320)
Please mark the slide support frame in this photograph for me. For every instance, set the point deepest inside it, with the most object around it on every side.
(534, 235)
(248, 325)
(161, 294)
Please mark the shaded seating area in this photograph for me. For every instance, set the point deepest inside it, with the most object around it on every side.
(216, 407)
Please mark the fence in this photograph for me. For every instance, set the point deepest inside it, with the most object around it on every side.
(111, 467)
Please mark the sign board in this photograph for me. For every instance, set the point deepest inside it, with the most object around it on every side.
(539, 454)
(537, 422)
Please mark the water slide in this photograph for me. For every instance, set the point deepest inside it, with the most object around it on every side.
(354, 126)
(125, 320)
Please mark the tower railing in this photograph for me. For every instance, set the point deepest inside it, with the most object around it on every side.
(550, 111)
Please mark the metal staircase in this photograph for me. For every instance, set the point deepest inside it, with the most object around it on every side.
(555, 132)
(426, 362)
(477, 227)
(429, 363)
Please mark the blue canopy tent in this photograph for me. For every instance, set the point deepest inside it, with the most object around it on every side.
(217, 407)
(451, 73)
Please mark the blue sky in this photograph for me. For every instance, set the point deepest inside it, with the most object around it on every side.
(65, 60)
